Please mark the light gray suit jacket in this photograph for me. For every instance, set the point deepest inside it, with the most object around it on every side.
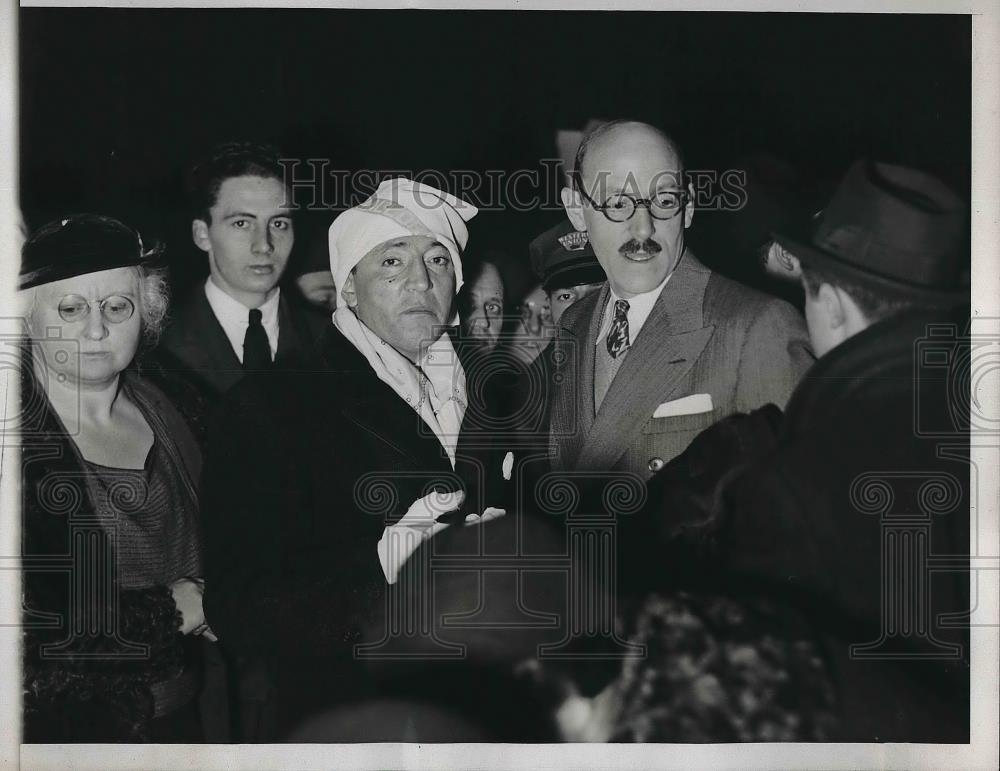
(705, 335)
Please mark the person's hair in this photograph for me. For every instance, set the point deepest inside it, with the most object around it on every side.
(154, 303)
(472, 270)
(604, 128)
(873, 305)
(228, 160)
(154, 291)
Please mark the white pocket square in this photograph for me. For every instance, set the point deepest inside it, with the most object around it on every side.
(687, 405)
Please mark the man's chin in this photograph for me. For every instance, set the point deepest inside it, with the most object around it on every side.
(424, 329)
(639, 278)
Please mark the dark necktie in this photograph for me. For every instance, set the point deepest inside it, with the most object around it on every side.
(256, 349)
(618, 342)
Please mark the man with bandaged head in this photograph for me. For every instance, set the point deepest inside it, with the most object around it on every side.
(321, 482)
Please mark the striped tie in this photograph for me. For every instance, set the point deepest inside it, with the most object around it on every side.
(618, 342)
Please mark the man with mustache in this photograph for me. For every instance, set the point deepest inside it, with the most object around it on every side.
(668, 347)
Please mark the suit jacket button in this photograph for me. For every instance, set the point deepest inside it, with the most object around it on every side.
(656, 464)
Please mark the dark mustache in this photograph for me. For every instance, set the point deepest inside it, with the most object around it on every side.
(631, 247)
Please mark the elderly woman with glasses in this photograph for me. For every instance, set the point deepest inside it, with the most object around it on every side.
(111, 544)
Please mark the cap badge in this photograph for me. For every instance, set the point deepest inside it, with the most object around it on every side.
(574, 241)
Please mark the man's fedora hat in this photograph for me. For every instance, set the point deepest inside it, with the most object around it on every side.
(892, 229)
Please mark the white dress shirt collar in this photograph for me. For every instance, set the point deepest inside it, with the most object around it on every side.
(639, 308)
(234, 317)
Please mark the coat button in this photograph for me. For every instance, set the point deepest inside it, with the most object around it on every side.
(656, 464)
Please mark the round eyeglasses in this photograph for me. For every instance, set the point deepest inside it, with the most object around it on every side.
(115, 309)
(620, 207)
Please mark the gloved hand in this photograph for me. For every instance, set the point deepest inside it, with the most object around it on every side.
(419, 523)
(491, 512)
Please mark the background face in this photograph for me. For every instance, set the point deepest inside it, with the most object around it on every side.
(482, 316)
(88, 353)
(536, 316)
(249, 238)
(640, 253)
(561, 299)
(403, 291)
(318, 288)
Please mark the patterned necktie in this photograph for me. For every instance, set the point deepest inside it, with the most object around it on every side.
(256, 348)
(618, 342)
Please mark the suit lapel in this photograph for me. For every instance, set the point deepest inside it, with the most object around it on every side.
(382, 413)
(666, 348)
(296, 342)
(373, 406)
(204, 346)
(641, 384)
(289, 343)
(573, 402)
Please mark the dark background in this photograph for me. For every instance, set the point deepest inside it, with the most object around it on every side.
(116, 103)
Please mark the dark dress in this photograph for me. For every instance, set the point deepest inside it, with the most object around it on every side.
(104, 659)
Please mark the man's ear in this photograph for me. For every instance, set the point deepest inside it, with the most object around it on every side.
(689, 208)
(199, 234)
(348, 293)
(572, 201)
(834, 308)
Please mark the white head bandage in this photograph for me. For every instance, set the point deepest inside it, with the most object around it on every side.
(399, 207)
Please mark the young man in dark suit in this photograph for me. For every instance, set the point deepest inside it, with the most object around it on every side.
(237, 321)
